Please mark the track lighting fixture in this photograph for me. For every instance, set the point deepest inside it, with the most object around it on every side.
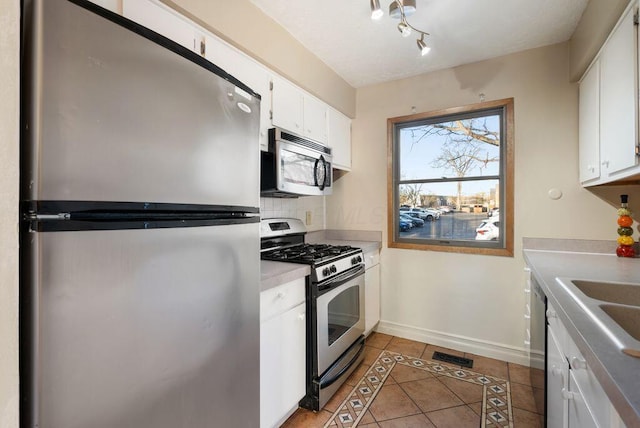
(400, 9)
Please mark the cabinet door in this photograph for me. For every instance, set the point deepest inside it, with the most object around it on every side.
(314, 117)
(618, 98)
(163, 20)
(339, 138)
(282, 365)
(286, 106)
(371, 297)
(557, 383)
(589, 124)
(579, 414)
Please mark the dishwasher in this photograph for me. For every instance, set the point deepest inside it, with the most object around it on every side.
(537, 349)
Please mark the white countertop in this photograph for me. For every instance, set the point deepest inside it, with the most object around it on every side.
(618, 374)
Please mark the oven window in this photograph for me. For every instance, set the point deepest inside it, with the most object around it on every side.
(344, 313)
(297, 168)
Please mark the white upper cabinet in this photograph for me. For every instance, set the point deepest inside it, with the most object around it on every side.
(286, 106)
(297, 111)
(164, 21)
(589, 124)
(608, 109)
(618, 99)
(339, 138)
(314, 118)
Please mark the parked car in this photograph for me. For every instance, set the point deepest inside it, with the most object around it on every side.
(404, 225)
(493, 212)
(433, 211)
(489, 230)
(423, 214)
(445, 209)
(415, 221)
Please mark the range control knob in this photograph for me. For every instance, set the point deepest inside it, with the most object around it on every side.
(326, 271)
(356, 260)
(333, 269)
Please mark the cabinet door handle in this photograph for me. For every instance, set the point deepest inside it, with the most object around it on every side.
(568, 395)
(281, 295)
(556, 371)
(551, 313)
(578, 363)
(301, 316)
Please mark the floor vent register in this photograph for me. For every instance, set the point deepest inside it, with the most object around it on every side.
(453, 359)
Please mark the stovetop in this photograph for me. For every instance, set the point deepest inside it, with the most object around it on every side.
(282, 240)
(312, 254)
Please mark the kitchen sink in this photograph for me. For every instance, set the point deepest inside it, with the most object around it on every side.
(614, 307)
(613, 292)
(627, 317)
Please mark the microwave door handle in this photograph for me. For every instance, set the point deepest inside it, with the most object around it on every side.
(315, 172)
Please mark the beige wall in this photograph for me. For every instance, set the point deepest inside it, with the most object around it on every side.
(447, 293)
(596, 23)
(244, 25)
(9, 93)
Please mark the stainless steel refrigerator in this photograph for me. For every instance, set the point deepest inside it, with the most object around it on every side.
(140, 234)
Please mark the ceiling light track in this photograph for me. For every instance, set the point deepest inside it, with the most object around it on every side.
(401, 9)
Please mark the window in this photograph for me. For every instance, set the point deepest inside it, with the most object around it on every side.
(451, 179)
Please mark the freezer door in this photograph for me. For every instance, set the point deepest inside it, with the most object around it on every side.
(113, 116)
(143, 328)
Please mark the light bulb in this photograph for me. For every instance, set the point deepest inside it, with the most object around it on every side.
(424, 49)
(376, 12)
(404, 29)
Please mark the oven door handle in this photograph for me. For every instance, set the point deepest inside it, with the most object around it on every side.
(324, 383)
(343, 278)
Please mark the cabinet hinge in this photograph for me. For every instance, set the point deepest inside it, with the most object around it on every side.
(638, 150)
(635, 18)
(203, 47)
(271, 118)
(271, 86)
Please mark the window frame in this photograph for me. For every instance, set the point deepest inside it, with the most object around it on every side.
(506, 179)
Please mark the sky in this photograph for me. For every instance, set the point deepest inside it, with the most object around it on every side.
(418, 154)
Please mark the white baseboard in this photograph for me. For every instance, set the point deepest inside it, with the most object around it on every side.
(459, 343)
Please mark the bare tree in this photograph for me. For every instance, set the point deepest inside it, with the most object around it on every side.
(410, 194)
(464, 148)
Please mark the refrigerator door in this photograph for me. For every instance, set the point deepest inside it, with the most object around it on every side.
(154, 328)
(114, 116)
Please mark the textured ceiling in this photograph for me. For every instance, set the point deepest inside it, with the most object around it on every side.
(364, 52)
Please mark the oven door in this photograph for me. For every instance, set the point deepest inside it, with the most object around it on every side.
(302, 171)
(340, 316)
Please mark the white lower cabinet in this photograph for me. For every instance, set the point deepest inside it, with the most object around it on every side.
(579, 414)
(282, 351)
(575, 398)
(371, 290)
(557, 383)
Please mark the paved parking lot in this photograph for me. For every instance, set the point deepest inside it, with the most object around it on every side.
(449, 226)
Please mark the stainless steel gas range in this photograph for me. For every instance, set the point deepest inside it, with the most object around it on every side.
(334, 300)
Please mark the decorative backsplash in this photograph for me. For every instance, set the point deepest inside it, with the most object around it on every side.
(310, 209)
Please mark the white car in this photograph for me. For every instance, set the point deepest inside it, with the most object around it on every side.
(489, 229)
(425, 214)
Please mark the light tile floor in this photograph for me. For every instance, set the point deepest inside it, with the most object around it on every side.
(415, 398)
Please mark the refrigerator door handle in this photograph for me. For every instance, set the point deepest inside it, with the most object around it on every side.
(39, 217)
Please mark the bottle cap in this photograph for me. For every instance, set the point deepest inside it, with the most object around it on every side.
(623, 198)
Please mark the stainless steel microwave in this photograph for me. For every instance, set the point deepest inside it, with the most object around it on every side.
(295, 166)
